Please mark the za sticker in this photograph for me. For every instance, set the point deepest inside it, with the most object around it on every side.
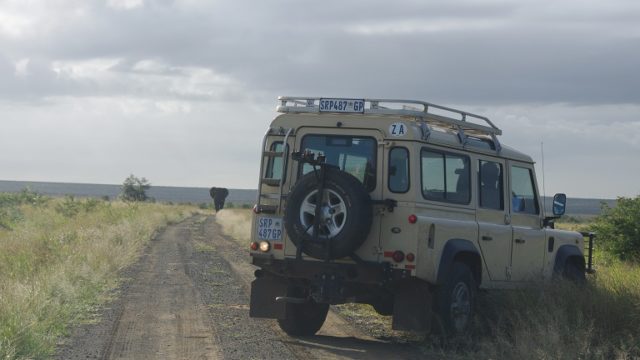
(398, 129)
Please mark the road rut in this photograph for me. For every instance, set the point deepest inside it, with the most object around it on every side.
(187, 298)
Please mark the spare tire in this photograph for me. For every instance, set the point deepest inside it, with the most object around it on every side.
(345, 214)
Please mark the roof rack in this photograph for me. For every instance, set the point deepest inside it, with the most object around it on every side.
(422, 111)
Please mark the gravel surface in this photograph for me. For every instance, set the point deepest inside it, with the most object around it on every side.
(187, 298)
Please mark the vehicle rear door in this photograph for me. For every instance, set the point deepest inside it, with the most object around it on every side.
(356, 151)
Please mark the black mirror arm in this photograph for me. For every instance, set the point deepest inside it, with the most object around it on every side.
(549, 221)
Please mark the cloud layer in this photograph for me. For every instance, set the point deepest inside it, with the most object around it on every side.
(91, 91)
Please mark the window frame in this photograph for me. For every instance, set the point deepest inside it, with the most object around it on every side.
(502, 183)
(532, 181)
(408, 153)
(445, 154)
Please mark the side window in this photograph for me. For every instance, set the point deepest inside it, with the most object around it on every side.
(274, 166)
(445, 177)
(399, 170)
(523, 194)
(490, 183)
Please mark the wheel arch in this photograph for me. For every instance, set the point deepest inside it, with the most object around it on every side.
(565, 254)
(459, 250)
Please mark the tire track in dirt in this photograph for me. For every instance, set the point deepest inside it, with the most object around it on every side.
(187, 298)
(163, 315)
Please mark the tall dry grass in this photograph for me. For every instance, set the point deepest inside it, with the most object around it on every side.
(556, 320)
(236, 223)
(59, 257)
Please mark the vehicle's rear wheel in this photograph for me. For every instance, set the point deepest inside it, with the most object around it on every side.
(455, 300)
(341, 213)
(303, 319)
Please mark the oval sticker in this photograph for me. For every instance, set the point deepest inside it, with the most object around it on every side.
(398, 129)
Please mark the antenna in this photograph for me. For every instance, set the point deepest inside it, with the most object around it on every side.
(544, 192)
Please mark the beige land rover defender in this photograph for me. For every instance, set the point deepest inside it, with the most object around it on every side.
(405, 205)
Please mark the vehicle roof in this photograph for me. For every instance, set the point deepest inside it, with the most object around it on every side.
(418, 131)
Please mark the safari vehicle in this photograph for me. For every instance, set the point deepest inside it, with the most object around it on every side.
(405, 205)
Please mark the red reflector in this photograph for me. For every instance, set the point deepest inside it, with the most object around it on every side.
(255, 209)
(254, 246)
(277, 246)
(411, 267)
(413, 219)
(388, 254)
(398, 256)
(410, 257)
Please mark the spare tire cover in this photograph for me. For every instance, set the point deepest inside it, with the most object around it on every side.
(345, 214)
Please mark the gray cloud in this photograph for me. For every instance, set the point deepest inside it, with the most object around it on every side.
(494, 52)
(160, 78)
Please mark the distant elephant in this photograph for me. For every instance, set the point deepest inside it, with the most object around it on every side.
(219, 195)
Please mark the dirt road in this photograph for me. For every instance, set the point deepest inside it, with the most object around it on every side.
(187, 298)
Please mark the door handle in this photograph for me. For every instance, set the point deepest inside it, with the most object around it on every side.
(487, 238)
(520, 241)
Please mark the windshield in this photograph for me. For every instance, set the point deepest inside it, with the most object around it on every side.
(355, 155)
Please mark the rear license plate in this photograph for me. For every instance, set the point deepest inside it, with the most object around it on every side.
(342, 105)
(269, 228)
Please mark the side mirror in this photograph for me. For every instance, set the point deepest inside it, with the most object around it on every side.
(559, 204)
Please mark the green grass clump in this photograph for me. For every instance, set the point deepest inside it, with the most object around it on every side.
(560, 320)
(59, 258)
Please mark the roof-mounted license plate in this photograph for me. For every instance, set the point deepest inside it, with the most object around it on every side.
(342, 105)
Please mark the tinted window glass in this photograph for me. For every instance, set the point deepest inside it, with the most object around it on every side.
(445, 177)
(523, 193)
(355, 155)
(490, 183)
(399, 170)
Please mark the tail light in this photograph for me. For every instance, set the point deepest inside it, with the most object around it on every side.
(410, 257)
(413, 219)
(398, 256)
(254, 246)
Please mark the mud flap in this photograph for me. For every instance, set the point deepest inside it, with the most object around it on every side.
(412, 309)
(264, 291)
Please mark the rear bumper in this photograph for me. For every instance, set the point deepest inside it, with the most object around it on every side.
(370, 273)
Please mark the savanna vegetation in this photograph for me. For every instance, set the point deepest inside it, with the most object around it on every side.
(59, 257)
(557, 320)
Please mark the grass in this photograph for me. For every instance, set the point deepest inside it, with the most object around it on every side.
(556, 320)
(58, 260)
(236, 223)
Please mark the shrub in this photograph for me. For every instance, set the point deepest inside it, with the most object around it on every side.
(135, 189)
(618, 228)
(69, 207)
(10, 203)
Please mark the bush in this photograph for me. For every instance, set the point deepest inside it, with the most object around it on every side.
(10, 204)
(618, 228)
(135, 189)
(69, 207)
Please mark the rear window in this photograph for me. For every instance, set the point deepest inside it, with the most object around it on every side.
(355, 155)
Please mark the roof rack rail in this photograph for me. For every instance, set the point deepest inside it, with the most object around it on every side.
(454, 119)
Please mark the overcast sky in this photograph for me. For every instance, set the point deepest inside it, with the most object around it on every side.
(181, 91)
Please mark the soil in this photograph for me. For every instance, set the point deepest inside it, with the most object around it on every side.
(187, 298)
